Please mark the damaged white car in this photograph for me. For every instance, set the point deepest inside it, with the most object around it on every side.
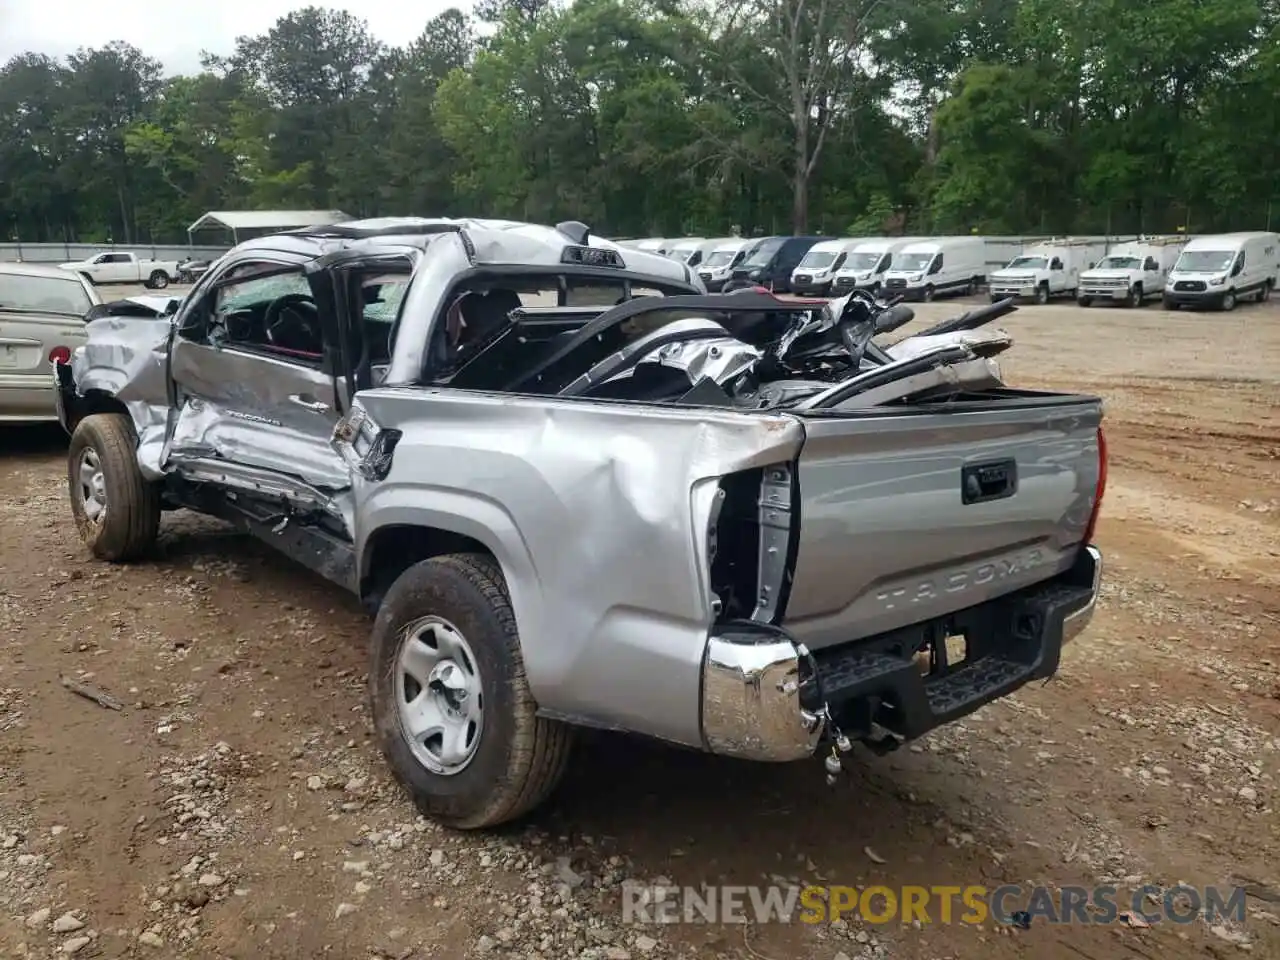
(579, 491)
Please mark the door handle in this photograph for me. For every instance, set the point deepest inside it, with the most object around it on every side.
(304, 401)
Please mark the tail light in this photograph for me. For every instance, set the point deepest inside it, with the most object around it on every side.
(1101, 488)
(60, 355)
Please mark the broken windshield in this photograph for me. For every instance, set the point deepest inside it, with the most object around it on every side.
(1028, 263)
(1204, 261)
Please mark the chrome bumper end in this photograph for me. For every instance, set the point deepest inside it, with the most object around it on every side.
(1074, 623)
(751, 697)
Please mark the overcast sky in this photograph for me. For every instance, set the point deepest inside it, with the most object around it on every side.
(175, 31)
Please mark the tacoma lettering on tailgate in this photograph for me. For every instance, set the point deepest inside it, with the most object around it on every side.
(960, 580)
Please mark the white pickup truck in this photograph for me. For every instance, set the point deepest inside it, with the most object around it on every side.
(125, 268)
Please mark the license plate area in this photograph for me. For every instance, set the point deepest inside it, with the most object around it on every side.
(943, 653)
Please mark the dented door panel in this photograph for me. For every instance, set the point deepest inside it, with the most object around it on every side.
(257, 412)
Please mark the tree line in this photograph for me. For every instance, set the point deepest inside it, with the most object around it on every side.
(674, 117)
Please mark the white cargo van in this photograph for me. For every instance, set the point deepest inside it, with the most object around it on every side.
(1048, 269)
(941, 265)
(717, 266)
(816, 271)
(867, 264)
(1133, 272)
(1217, 271)
(684, 248)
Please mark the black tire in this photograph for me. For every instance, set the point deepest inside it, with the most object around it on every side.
(1265, 293)
(1229, 301)
(520, 757)
(158, 280)
(928, 294)
(1042, 294)
(1168, 304)
(1083, 301)
(1134, 300)
(126, 526)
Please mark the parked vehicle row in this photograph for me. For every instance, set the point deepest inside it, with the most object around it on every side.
(1214, 272)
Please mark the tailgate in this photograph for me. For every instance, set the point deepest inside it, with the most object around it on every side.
(919, 512)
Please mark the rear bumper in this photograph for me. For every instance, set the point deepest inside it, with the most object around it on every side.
(26, 398)
(764, 697)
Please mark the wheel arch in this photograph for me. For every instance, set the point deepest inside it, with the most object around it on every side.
(399, 534)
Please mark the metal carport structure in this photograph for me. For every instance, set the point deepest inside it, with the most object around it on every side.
(237, 221)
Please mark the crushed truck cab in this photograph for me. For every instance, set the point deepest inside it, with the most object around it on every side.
(575, 490)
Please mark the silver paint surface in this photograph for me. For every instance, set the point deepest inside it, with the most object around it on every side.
(881, 512)
(598, 511)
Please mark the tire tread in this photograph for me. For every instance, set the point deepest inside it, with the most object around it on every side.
(132, 520)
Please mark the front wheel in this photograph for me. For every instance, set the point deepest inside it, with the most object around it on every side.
(116, 509)
(1229, 300)
(1135, 296)
(451, 703)
(929, 294)
(1083, 301)
(1042, 294)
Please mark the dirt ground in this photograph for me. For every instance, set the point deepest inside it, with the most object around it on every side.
(236, 807)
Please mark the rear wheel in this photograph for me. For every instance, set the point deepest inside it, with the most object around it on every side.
(1265, 293)
(116, 509)
(451, 704)
(158, 280)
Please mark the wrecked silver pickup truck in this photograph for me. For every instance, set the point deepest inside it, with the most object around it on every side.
(579, 491)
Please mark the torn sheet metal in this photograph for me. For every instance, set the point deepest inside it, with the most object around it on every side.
(572, 498)
(126, 357)
(982, 343)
